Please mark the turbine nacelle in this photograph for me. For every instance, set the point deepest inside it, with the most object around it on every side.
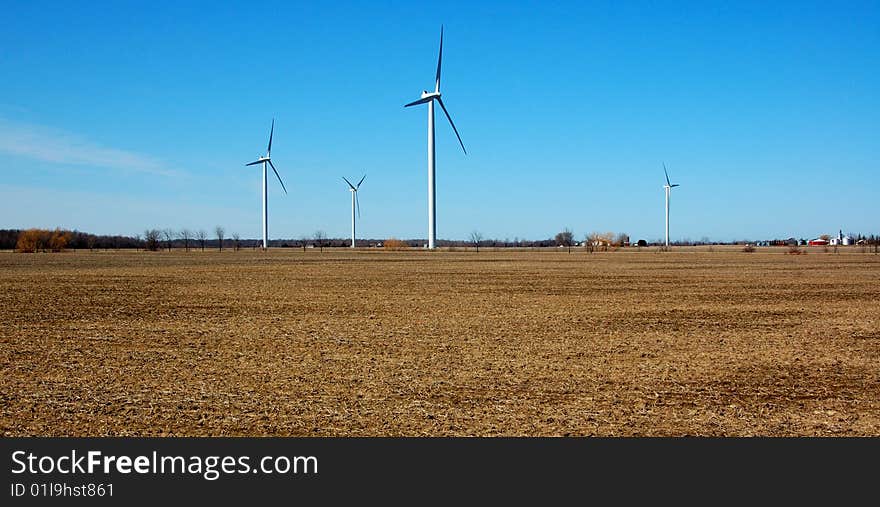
(668, 183)
(267, 159)
(435, 95)
(354, 190)
(260, 160)
(428, 97)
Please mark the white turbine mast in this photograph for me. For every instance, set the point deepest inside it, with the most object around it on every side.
(267, 160)
(668, 189)
(354, 203)
(429, 98)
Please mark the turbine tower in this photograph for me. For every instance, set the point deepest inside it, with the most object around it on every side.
(354, 202)
(267, 160)
(429, 98)
(668, 188)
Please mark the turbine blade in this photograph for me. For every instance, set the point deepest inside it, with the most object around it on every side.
(676, 185)
(439, 61)
(271, 133)
(359, 183)
(278, 175)
(666, 173)
(255, 162)
(358, 203)
(349, 183)
(420, 101)
(453, 124)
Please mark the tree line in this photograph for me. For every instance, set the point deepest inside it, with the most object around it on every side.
(57, 240)
(200, 239)
(46, 240)
(41, 240)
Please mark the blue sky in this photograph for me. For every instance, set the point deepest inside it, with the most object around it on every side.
(121, 116)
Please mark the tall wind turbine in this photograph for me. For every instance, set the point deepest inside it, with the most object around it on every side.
(668, 187)
(429, 98)
(267, 160)
(354, 202)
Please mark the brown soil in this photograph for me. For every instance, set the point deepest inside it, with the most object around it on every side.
(440, 343)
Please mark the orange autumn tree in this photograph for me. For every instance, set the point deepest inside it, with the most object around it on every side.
(37, 240)
(59, 239)
(30, 241)
(395, 244)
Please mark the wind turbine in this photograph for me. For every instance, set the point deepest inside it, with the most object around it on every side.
(354, 202)
(429, 98)
(267, 160)
(668, 187)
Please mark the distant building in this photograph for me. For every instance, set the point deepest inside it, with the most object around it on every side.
(841, 240)
(780, 242)
(817, 242)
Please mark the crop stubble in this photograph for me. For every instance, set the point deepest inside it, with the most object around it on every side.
(439, 343)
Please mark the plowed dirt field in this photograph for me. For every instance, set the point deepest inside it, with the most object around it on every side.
(290, 343)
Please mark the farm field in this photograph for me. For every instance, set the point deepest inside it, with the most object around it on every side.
(415, 343)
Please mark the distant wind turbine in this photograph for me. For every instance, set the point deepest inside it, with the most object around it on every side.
(668, 188)
(429, 98)
(354, 203)
(267, 160)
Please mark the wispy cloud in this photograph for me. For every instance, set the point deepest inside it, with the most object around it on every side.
(53, 145)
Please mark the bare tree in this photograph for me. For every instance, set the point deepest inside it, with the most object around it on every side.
(202, 236)
(220, 232)
(476, 237)
(600, 239)
(622, 239)
(320, 237)
(151, 239)
(186, 236)
(236, 241)
(607, 239)
(565, 238)
(168, 236)
(137, 242)
(590, 241)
